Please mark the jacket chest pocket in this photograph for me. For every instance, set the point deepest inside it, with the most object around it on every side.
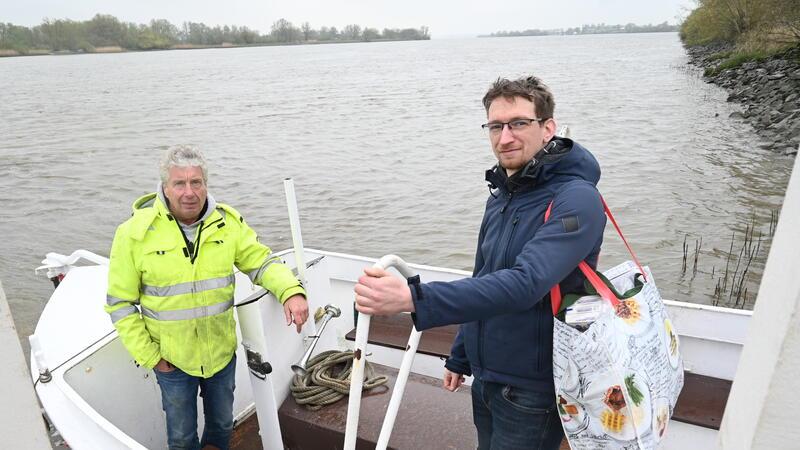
(217, 254)
(163, 264)
(522, 226)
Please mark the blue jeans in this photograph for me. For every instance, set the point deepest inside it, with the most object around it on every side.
(508, 417)
(179, 400)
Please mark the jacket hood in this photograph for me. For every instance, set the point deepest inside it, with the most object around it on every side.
(561, 160)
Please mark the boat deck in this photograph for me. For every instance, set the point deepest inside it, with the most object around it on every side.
(701, 403)
(425, 404)
(702, 400)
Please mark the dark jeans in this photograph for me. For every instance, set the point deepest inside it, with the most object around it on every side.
(509, 418)
(179, 400)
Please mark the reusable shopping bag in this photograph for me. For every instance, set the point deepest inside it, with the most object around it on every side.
(618, 378)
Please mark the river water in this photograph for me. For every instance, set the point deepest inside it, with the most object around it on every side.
(384, 143)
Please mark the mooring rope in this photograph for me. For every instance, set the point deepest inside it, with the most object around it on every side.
(327, 379)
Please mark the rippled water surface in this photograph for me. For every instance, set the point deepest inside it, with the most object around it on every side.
(384, 144)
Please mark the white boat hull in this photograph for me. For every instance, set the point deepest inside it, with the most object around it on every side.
(99, 399)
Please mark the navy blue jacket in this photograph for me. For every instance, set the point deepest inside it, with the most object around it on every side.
(507, 322)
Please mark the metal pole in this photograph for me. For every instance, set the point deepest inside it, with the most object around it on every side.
(356, 381)
(359, 361)
(399, 389)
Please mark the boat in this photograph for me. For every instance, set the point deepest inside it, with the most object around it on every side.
(96, 396)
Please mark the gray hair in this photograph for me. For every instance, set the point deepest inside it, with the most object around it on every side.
(182, 156)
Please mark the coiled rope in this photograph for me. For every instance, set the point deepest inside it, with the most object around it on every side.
(327, 379)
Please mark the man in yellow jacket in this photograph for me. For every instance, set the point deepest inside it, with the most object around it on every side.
(174, 259)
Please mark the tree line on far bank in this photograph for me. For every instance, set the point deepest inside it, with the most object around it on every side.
(753, 26)
(590, 29)
(107, 32)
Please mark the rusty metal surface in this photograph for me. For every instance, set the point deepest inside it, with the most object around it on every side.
(429, 417)
(245, 435)
(393, 332)
(702, 401)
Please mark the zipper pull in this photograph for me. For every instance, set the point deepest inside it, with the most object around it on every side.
(503, 210)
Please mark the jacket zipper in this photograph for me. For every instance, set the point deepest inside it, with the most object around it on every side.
(510, 197)
(481, 340)
(194, 257)
(480, 345)
(540, 332)
(197, 238)
(510, 239)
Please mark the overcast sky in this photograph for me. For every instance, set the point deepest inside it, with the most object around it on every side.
(443, 17)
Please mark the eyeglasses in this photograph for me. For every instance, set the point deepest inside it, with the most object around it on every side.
(495, 128)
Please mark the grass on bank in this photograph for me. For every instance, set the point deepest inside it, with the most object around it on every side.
(733, 59)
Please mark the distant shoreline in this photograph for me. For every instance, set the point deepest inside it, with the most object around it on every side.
(570, 34)
(5, 53)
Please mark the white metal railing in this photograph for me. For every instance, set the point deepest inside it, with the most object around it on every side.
(360, 360)
(57, 264)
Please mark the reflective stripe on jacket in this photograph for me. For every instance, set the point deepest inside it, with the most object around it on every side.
(185, 300)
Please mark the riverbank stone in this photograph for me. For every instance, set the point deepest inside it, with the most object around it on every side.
(768, 90)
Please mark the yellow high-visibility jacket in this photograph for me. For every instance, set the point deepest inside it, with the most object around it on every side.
(185, 300)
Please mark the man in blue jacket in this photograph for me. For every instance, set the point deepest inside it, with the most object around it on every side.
(506, 333)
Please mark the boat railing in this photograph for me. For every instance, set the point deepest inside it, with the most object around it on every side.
(359, 362)
(56, 265)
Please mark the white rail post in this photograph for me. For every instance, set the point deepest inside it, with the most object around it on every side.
(255, 344)
(294, 223)
(359, 361)
(297, 243)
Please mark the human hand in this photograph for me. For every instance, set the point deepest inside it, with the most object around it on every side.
(380, 293)
(164, 366)
(295, 308)
(452, 381)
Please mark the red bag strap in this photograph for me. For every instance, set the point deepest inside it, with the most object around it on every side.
(602, 289)
(619, 232)
(555, 291)
(598, 284)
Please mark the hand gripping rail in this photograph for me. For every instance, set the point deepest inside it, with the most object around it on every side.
(359, 360)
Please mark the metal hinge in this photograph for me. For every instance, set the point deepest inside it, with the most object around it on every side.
(257, 367)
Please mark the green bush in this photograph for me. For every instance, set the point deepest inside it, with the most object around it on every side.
(703, 26)
(752, 25)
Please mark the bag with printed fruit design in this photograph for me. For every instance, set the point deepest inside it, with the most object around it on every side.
(618, 374)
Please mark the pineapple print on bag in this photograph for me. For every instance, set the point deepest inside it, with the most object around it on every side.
(628, 310)
(613, 420)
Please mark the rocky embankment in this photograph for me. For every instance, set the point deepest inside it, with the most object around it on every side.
(769, 90)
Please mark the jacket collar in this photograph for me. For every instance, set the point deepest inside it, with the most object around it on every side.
(533, 173)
